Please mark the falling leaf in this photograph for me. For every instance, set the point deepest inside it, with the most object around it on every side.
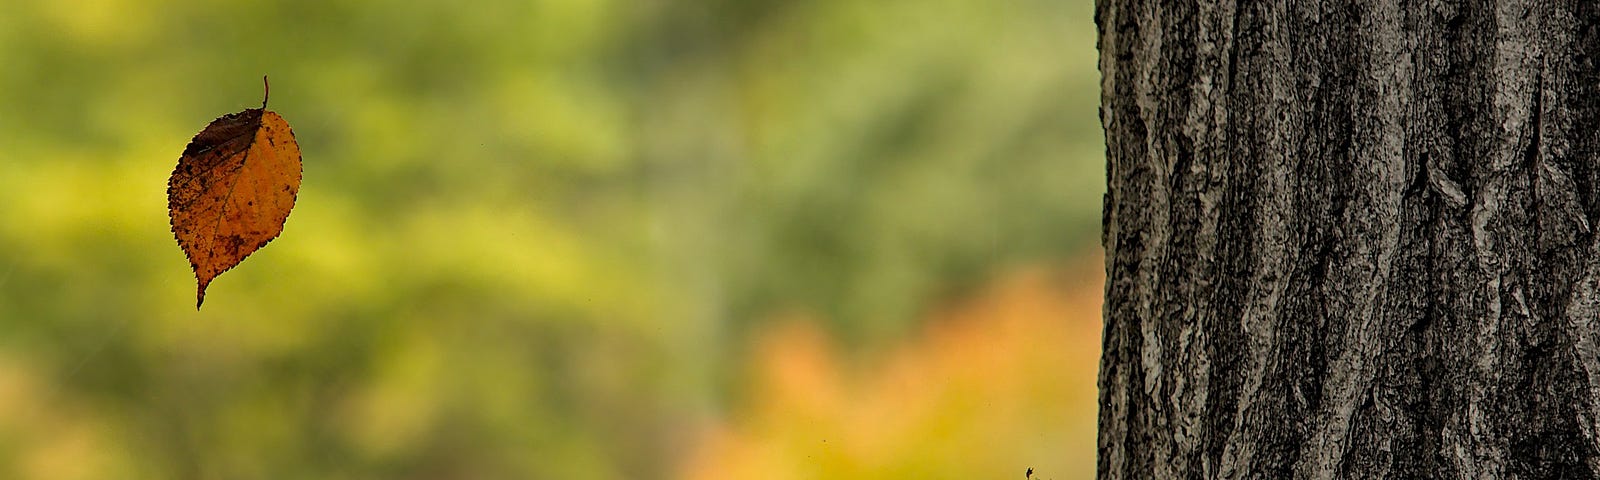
(233, 189)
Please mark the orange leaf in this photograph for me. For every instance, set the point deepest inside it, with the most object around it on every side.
(232, 190)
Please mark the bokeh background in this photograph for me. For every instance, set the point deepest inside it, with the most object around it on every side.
(563, 239)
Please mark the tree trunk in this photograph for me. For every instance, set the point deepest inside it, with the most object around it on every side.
(1350, 239)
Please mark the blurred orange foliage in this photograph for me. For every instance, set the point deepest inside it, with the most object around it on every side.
(992, 386)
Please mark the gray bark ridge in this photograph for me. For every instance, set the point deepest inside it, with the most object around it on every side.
(1350, 239)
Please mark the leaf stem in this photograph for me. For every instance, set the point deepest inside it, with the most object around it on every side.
(266, 91)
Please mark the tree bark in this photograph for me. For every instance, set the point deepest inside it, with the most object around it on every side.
(1350, 239)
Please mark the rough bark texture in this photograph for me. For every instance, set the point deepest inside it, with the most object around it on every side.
(1351, 239)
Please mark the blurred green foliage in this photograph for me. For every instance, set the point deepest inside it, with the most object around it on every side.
(533, 237)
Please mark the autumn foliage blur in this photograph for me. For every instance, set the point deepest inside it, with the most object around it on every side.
(563, 239)
(993, 385)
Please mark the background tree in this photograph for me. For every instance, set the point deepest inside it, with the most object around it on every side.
(1350, 239)
(559, 239)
